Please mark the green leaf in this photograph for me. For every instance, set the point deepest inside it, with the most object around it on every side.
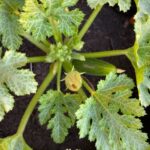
(9, 27)
(109, 117)
(43, 18)
(22, 82)
(124, 5)
(35, 21)
(6, 101)
(69, 21)
(14, 142)
(58, 112)
(94, 67)
(13, 5)
(142, 51)
(145, 6)
(144, 87)
(142, 29)
(112, 83)
(19, 81)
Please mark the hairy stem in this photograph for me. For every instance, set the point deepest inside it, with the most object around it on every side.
(89, 21)
(35, 99)
(106, 53)
(41, 46)
(59, 75)
(36, 59)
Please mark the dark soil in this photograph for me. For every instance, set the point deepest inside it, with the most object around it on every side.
(111, 30)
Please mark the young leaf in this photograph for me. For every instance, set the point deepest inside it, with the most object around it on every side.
(9, 25)
(109, 117)
(14, 142)
(124, 5)
(35, 21)
(69, 21)
(59, 52)
(42, 19)
(19, 81)
(58, 112)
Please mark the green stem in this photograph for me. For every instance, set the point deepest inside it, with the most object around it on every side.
(35, 99)
(106, 53)
(89, 21)
(46, 42)
(89, 89)
(136, 2)
(43, 47)
(82, 95)
(36, 59)
(56, 33)
(59, 75)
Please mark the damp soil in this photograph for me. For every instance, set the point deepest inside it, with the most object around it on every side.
(111, 30)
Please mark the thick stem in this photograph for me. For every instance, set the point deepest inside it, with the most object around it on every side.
(89, 22)
(35, 99)
(59, 75)
(106, 53)
(36, 59)
(43, 47)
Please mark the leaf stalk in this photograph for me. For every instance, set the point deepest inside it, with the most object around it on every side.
(34, 101)
(89, 22)
(36, 59)
(108, 53)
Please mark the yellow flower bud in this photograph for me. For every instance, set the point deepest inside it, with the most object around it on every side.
(73, 81)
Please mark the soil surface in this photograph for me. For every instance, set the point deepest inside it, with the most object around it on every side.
(111, 30)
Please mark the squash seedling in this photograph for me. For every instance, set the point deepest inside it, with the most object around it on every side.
(110, 115)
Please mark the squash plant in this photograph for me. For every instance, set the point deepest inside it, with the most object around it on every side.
(110, 115)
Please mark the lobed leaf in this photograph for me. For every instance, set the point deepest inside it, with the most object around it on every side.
(43, 18)
(19, 81)
(58, 112)
(109, 117)
(10, 28)
(69, 21)
(142, 51)
(124, 5)
(14, 142)
(6, 101)
(35, 21)
(142, 29)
